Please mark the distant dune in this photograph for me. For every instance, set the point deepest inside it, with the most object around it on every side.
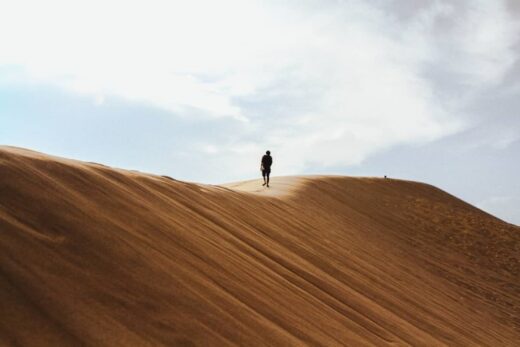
(101, 256)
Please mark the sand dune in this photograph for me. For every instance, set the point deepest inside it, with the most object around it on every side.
(100, 256)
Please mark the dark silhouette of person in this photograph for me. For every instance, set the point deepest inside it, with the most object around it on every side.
(265, 167)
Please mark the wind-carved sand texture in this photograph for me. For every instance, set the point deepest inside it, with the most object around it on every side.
(100, 256)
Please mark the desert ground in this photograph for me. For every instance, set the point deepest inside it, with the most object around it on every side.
(93, 255)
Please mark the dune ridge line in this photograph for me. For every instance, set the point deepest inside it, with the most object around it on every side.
(100, 256)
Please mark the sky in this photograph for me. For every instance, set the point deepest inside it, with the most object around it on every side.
(199, 90)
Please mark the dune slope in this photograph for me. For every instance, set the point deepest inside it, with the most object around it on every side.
(99, 256)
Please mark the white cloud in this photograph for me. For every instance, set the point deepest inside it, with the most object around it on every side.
(318, 83)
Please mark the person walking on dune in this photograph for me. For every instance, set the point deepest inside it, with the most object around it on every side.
(265, 167)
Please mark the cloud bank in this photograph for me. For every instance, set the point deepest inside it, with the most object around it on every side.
(321, 84)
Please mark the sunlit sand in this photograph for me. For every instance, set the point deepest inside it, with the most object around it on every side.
(101, 256)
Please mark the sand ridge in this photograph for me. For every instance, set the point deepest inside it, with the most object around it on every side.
(100, 256)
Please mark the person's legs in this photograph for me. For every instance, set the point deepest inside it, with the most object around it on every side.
(267, 174)
(263, 175)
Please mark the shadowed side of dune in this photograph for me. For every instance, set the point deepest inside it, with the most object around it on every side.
(100, 256)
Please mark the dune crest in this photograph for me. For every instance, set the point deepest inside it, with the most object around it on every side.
(101, 256)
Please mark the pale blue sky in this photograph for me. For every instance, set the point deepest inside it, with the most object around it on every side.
(198, 92)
